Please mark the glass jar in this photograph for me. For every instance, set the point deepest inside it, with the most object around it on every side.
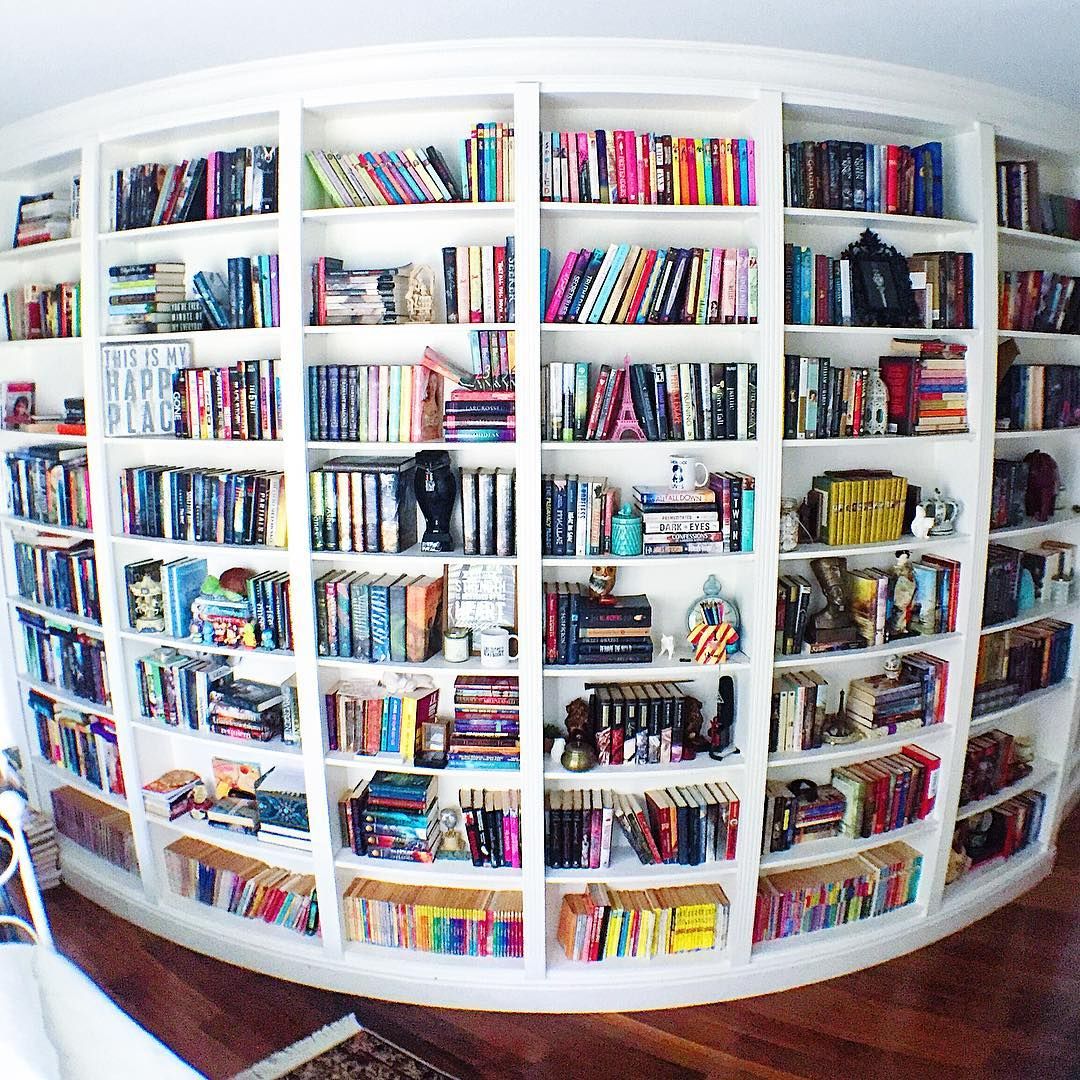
(789, 524)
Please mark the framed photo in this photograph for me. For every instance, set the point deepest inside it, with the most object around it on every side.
(479, 595)
(881, 293)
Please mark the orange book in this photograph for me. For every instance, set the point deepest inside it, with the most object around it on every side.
(423, 610)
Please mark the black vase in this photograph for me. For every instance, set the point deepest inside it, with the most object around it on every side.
(436, 490)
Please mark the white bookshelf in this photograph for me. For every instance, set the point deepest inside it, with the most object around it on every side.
(365, 99)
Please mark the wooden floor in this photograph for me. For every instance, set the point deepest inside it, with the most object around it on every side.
(999, 999)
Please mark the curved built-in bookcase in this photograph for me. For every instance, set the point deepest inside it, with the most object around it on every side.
(398, 96)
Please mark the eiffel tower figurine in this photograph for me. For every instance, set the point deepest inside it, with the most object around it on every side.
(626, 421)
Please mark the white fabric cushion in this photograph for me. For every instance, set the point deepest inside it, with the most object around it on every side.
(27, 1052)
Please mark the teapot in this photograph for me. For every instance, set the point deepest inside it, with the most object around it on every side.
(944, 510)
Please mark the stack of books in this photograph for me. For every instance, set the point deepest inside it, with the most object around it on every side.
(486, 732)
(1038, 300)
(927, 388)
(797, 714)
(40, 835)
(1016, 662)
(137, 290)
(383, 177)
(1008, 499)
(1038, 397)
(1004, 830)
(858, 506)
(49, 483)
(58, 572)
(877, 178)
(43, 311)
(714, 519)
(492, 822)
(395, 816)
(488, 511)
(367, 718)
(472, 416)
(478, 282)
(869, 595)
(170, 795)
(639, 723)
(633, 284)
(601, 923)
(281, 801)
(64, 657)
(681, 402)
(1001, 596)
(41, 218)
(991, 763)
(487, 163)
(96, 826)
(341, 297)
(791, 820)
(238, 402)
(363, 504)
(646, 169)
(1021, 204)
(245, 709)
(581, 630)
(378, 618)
(877, 705)
(83, 743)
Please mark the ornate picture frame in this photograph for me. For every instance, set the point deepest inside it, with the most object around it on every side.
(881, 293)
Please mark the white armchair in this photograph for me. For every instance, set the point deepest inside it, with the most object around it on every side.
(55, 1024)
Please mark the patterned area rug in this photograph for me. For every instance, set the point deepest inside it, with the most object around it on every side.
(343, 1051)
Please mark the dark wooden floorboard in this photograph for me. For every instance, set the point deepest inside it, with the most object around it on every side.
(1000, 999)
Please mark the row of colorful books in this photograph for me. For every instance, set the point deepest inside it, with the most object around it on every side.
(878, 178)
(46, 216)
(453, 922)
(368, 718)
(646, 169)
(65, 657)
(99, 827)
(629, 283)
(379, 618)
(872, 883)
(581, 630)
(49, 483)
(478, 282)
(82, 743)
(208, 506)
(1021, 204)
(684, 401)
(363, 504)
(1039, 397)
(1016, 662)
(601, 923)
(639, 723)
(869, 592)
(1038, 300)
(927, 388)
(487, 723)
(239, 402)
(58, 572)
(383, 177)
(917, 696)
(226, 183)
(43, 311)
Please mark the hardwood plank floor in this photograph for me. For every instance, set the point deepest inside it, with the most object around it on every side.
(1000, 999)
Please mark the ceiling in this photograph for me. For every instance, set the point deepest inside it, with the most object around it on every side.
(86, 48)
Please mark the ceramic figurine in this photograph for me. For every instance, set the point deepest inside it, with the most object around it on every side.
(419, 300)
(945, 511)
(601, 581)
(878, 401)
(921, 524)
(903, 595)
(626, 532)
(667, 646)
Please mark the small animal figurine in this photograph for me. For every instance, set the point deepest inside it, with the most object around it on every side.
(667, 646)
(921, 524)
(602, 581)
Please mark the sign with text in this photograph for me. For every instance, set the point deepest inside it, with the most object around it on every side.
(137, 386)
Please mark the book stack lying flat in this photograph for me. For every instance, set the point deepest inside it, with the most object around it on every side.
(1016, 662)
(478, 282)
(876, 704)
(708, 520)
(242, 885)
(137, 290)
(394, 816)
(790, 820)
(281, 799)
(799, 901)
(492, 821)
(245, 709)
(927, 384)
(488, 508)
(96, 826)
(455, 922)
(41, 218)
(638, 723)
(170, 795)
(367, 718)
(602, 923)
(363, 504)
(234, 813)
(40, 835)
(343, 297)
(581, 630)
(480, 416)
(82, 743)
(486, 723)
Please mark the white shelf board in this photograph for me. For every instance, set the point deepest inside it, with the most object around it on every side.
(853, 219)
(15, 438)
(436, 663)
(1036, 239)
(1039, 611)
(814, 852)
(402, 328)
(271, 854)
(434, 965)
(67, 344)
(1041, 772)
(863, 750)
(247, 340)
(225, 926)
(449, 873)
(992, 875)
(823, 941)
(637, 560)
(1038, 335)
(700, 963)
(274, 750)
(664, 445)
(413, 554)
(842, 656)
(341, 446)
(393, 763)
(901, 442)
(647, 210)
(240, 446)
(188, 645)
(626, 867)
(660, 668)
(702, 769)
(76, 861)
(56, 615)
(1061, 519)
(69, 245)
(1036, 433)
(905, 543)
(429, 213)
(223, 226)
(194, 547)
(62, 697)
(13, 522)
(62, 776)
(649, 328)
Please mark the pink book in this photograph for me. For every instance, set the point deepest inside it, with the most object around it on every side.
(742, 285)
(596, 832)
(644, 178)
(715, 278)
(211, 184)
(560, 286)
(727, 306)
(583, 163)
(630, 152)
(751, 173)
(572, 163)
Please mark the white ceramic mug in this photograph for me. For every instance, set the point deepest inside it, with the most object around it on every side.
(687, 474)
(495, 646)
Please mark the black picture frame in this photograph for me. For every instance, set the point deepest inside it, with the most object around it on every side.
(881, 293)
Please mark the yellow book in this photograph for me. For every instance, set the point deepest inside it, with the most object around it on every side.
(699, 165)
(511, 351)
(407, 744)
(476, 299)
(405, 411)
(632, 285)
(838, 513)
(729, 173)
(676, 162)
(901, 504)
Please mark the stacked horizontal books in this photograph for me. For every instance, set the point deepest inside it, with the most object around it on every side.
(638, 723)
(581, 630)
(879, 705)
(1038, 300)
(394, 816)
(208, 506)
(601, 923)
(248, 298)
(82, 743)
(869, 594)
(341, 297)
(49, 483)
(488, 511)
(171, 795)
(379, 618)
(797, 713)
(374, 403)
(363, 504)
(383, 177)
(245, 709)
(633, 284)
(646, 169)
(58, 572)
(1016, 662)
(148, 298)
(41, 843)
(474, 416)
(492, 821)
(682, 401)
(1002, 831)
(453, 922)
(487, 724)
(96, 826)
(858, 506)
(43, 311)
(281, 802)
(797, 902)
(708, 520)
(478, 282)
(65, 657)
(239, 402)
(1039, 397)
(791, 819)
(1022, 205)
(878, 178)
(368, 718)
(927, 388)
(992, 762)
(242, 885)
(41, 218)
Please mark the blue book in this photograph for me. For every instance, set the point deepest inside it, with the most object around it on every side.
(314, 430)
(214, 294)
(379, 615)
(491, 172)
(359, 590)
(744, 171)
(344, 618)
(575, 618)
(392, 728)
(398, 621)
(406, 176)
(609, 283)
(545, 262)
(746, 537)
(185, 578)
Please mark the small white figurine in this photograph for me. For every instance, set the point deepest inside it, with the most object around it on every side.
(667, 645)
(419, 304)
(921, 524)
(557, 748)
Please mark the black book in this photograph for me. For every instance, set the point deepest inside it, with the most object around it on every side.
(641, 392)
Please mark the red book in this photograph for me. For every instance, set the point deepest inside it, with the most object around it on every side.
(607, 422)
(642, 285)
(551, 611)
(500, 284)
(892, 179)
(597, 402)
(620, 164)
(930, 763)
